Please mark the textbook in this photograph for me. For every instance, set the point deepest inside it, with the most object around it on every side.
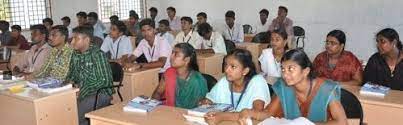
(203, 109)
(49, 85)
(283, 121)
(142, 105)
(372, 89)
(15, 81)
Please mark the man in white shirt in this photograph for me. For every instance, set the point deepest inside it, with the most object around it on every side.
(262, 25)
(66, 22)
(155, 49)
(163, 31)
(188, 35)
(117, 43)
(283, 22)
(232, 31)
(212, 42)
(174, 21)
(99, 27)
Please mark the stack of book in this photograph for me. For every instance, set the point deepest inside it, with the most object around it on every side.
(14, 81)
(49, 85)
(197, 114)
(141, 104)
(373, 89)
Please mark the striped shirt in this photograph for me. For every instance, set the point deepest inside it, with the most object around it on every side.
(91, 71)
(56, 64)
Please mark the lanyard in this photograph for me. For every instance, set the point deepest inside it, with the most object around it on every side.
(34, 57)
(151, 50)
(117, 49)
(240, 98)
(229, 32)
(183, 39)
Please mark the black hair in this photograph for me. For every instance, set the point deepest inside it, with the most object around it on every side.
(147, 21)
(153, 9)
(121, 26)
(134, 14)
(16, 27)
(81, 14)
(4, 25)
(300, 57)
(283, 34)
(66, 18)
(114, 18)
(204, 28)
(62, 30)
(390, 34)
(93, 15)
(264, 11)
(187, 19)
(50, 21)
(189, 51)
(245, 58)
(202, 14)
(339, 35)
(172, 9)
(86, 30)
(230, 13)
(283, 8)
(42, 29)
(164, 22)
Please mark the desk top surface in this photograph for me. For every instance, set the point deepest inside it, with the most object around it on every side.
(393, 98)
(29, 94)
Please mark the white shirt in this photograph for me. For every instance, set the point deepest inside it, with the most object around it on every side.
(120, 47)
(259, 27)
(160, 48)
(269, 65)
(170, 38)
(193, 38)
(216, 43)
(234, 34)
(175, 24)
(99, 30)
(70, 29)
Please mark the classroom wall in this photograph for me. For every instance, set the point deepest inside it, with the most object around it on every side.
(360, 19)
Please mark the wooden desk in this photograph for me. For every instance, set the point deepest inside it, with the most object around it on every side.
(139, 82)
(380, 111)
(210, 63)
(114, 115)
(248, 37)
(36, 108)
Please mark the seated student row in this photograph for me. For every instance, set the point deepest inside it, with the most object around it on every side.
(387, 41)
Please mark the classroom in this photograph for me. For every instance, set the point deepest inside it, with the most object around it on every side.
(193, 62)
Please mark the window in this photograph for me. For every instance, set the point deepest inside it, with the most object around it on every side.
(24, 12)
(120, 8)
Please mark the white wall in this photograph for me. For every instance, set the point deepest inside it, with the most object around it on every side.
(360, 19)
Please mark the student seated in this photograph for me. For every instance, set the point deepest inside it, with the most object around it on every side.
(300, 94)
(212, 41)
(232, 31)
(58, 61)
(90, 70)
(5, 35)
(156, 50)
(134, 27)
(66, 22)
(113, 18)
(182, 84)
(187, 35)
(163, 29)
(201, 18)
(263, 24)
(81, 18)
(336, 63)
(283, 22)
(48, 22)
(174, 21)
(117, 44)
(18, 39)
(271, 57)
(35, 57)
(99, 27)
(241, 87)
(386, 66)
